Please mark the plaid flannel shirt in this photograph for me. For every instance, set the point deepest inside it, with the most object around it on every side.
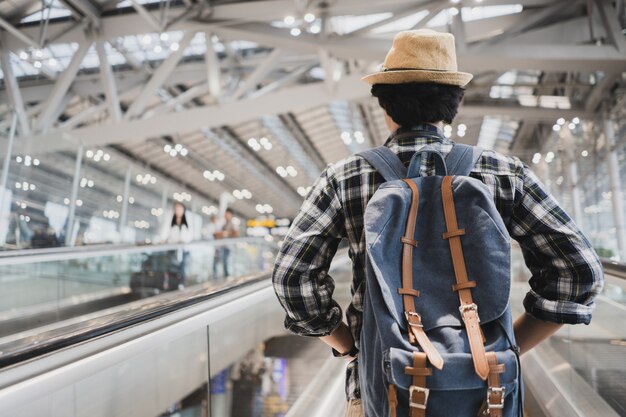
(566, 272)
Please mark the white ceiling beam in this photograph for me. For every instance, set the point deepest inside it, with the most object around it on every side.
(146, 15)
(62, 85)
(159, 77)
(23, 38)
(397, 15)
(108, 82)
(84, 7)
(188, 72)
(258, 74)
(183, 98)
(294, 99)
(532, 20)
(601, 91)
(83, 116)
(282, 82)
(118, 25)
(612, 24)
(499, 57)
(432, 12)
(14, 93)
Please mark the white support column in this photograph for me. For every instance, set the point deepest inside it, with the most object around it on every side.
(4, 217)
(457, 28)
(108, 82)
(69, 233)
(574, 189)
(159, 77)
(14, 93)
(212, 66)
(616, 189)
(62, 85)
(124, 215)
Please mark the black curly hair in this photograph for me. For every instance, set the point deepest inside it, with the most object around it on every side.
(412, 103)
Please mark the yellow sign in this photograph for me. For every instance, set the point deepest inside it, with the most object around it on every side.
(269, 223)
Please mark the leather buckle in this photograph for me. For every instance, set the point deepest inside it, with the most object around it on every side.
(425, 391)
(490, 392)
(413, 314)
(469, 307)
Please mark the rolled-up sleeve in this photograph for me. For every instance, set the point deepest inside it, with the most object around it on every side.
(566, 272)
(300, 276)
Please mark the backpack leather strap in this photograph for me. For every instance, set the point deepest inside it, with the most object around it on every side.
(468, 309)
(414, 320)
(392, 398)
(494, 404)
(418, 393)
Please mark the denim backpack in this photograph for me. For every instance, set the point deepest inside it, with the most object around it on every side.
(437, 337)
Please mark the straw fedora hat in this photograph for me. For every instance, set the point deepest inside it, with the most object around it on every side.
(421, 55)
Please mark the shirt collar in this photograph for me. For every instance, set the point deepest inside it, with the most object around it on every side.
(418, 131)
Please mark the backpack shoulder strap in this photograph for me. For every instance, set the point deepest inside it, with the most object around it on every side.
(462, 158)
(385, 162)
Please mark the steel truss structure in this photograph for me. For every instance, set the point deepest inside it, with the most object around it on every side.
(268, 92)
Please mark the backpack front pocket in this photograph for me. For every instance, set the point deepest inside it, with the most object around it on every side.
(455, 390)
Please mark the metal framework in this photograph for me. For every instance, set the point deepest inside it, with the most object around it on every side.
(145, 72)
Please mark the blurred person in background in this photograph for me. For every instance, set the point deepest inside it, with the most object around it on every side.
(180, 232)
(228, 230)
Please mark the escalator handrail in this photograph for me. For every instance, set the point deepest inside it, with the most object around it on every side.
(614, 268)
(83, 252)
(29, 348)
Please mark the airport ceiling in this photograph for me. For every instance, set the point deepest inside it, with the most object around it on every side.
(261, 95)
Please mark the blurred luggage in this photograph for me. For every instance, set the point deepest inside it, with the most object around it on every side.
(159, 272)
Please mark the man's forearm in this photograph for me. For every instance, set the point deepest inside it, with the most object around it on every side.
(529, 331)
(340, 339)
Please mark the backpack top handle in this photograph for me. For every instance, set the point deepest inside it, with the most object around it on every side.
(416, 162)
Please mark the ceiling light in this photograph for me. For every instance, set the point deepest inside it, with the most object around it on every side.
(52, 62)
(289, 20)
(560, 121)
(576, 120)
(164, 36)
(309, 17)
(37, 64)
(174, 46)
(146, 40)
(453, 11)
(157, 49)
(295, 32)
(315, 29)
(18, 159)
(556, 127)
(38, 53)
(23, 55)
(584, 153)
(572, 126)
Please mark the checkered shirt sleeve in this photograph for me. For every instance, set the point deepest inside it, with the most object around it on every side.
(566, 272)
(300, 276)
